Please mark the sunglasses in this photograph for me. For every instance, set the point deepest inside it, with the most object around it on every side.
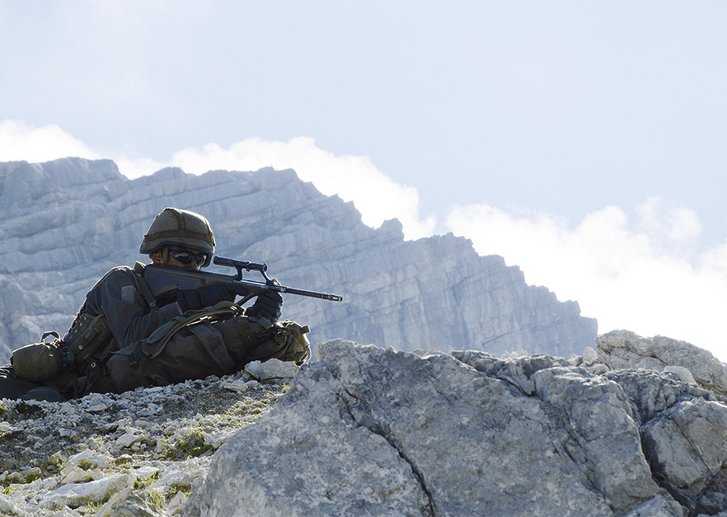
(186, 257)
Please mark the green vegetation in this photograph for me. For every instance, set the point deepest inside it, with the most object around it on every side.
(28, 410)
(157, 498)
(192, 445)
(141, 484)
(89, 508)
(184, 488)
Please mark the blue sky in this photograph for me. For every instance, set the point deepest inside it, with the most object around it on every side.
(582, 140)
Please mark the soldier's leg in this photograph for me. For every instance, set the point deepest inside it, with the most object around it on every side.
(121, 373)
(192, 353)
(247, 340)
(10, 386)
(13, 388)
(242, 336)
(196, 352)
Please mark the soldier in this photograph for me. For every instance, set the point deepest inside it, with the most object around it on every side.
(123, 337)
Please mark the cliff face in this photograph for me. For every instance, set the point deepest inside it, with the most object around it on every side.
(67, 222)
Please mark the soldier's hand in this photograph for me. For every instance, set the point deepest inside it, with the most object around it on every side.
(205, 296)
(268, 305)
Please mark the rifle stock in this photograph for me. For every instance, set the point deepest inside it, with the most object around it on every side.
(165, 279)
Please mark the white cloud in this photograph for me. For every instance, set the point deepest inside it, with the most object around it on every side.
(644, 274)
(353, 178)
(673, 226)
(19, 141)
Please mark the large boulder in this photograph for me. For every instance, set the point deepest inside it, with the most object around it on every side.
(623, 349)
(372, 431)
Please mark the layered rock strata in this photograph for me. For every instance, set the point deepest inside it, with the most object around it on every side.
(67, 222)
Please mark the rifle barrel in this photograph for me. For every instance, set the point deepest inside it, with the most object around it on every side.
(163, 279)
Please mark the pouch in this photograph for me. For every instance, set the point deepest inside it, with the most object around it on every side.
(38, 362)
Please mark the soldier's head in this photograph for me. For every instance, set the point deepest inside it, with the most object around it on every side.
(179, 238)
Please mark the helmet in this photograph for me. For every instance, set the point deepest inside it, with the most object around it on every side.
(173, 226)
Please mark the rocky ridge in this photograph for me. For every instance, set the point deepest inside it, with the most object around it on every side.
(368, 431)
(372, 431)
(66, 222)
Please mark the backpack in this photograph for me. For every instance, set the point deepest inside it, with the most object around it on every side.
(81, 352)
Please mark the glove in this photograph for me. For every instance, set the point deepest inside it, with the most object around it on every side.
(192, 299)
(268, 305)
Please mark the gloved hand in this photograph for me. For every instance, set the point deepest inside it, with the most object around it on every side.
(204, 296)
(268, 305)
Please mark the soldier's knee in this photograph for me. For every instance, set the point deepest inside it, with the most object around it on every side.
(241, 336)
(288, 342)
(122, 375)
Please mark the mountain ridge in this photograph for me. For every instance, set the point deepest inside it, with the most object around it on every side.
(68, 221)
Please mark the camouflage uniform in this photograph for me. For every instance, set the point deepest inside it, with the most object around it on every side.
(217, 346)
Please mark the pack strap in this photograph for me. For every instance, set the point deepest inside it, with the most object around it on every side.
(51, 333)
(142, 286)
(154, 345)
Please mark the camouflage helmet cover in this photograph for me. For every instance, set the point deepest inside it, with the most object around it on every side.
(173, 226)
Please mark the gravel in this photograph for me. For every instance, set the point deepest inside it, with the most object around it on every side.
(139, 453)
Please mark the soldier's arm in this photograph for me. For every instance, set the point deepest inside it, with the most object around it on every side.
(130, 319)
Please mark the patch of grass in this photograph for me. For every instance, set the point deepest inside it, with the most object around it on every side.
(192, 445)
(89, 508)
(86, 464)
(184, 488)
(156, 498)
(141, 484)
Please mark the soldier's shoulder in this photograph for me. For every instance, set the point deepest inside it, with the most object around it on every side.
(117, 274)
(120, 271)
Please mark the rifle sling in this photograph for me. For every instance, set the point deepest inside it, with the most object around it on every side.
(143, 287)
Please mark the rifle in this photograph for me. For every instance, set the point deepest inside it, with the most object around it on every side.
(163, 279)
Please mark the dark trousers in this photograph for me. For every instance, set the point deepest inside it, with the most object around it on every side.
(13, 388)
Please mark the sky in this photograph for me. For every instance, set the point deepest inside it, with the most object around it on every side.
(583, 141)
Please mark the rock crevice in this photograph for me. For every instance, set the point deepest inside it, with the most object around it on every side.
(461, 433)
(381, 430)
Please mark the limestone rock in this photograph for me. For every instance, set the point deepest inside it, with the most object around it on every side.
(272, 369)
(66, 222)
(688, 448)
(7, 507)
(372, 431)
(623, 349)
(74, 495)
